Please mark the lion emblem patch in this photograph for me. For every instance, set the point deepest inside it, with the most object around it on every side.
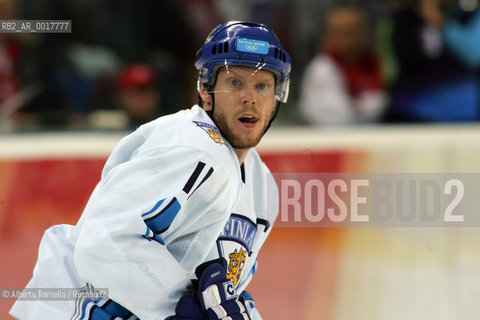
(236, 264)
(212, 131)
(215, 136)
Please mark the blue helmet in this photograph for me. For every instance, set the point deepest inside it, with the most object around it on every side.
(245, 44)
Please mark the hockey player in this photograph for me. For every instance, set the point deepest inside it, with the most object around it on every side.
(184, 204)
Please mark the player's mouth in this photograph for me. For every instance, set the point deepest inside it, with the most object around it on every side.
(248, 120)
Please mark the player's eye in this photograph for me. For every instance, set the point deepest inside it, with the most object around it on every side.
(261, 86)
(236, 83)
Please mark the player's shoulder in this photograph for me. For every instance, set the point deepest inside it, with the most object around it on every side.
(190, 129)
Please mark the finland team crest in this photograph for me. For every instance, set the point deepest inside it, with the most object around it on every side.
(211, 130)
(235, 265)
(235, 244)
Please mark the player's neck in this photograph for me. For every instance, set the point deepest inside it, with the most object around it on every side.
(241, 154)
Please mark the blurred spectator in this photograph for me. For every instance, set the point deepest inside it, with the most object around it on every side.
(431, 85)
(343, 83)
(462, 33)
(81, 77)
(76, 70)
(10, 51)
(9, 82)
(138, 94)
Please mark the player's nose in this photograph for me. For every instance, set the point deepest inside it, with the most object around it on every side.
(248, 96)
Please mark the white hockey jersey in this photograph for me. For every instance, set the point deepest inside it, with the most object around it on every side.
(172, 195)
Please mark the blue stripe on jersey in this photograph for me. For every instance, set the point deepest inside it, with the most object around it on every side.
(155, 207)
(99, 314)
(161, 221)
(92, 311)
(254, 268)
(110, 310)
(115, 309)
(149, 235)
(84, 309)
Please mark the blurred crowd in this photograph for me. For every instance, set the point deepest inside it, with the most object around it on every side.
(127, 62)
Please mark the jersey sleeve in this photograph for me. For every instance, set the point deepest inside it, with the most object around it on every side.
(140, 206)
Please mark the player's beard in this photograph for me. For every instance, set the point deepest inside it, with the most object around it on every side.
(234, 140)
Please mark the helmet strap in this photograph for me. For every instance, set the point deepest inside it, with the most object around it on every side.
(210, 112)
(274, 114)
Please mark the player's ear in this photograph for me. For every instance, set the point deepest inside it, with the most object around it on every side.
(206, 98)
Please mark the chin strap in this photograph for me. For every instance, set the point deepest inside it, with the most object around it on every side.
(274, 114)
(210, 112)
